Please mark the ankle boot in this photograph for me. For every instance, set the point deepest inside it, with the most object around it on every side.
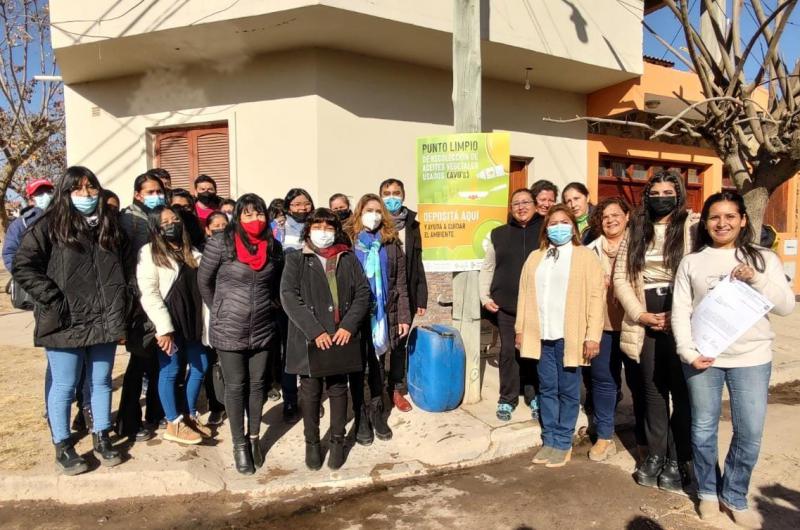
(243, 459)
(647, 474)
(364, 435)
(336, 452)
(313, 456)
(255, 450)
(104, 450)
(672, 478)
(382, 430)
(68, 461)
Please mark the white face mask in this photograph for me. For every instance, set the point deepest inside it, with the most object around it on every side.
(322, 238)
(371, 220)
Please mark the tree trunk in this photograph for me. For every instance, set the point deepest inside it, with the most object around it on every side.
(755, 200)
(6, 177)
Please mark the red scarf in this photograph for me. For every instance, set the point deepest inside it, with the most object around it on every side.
(202, 212)
(331, 251)
(255, 261)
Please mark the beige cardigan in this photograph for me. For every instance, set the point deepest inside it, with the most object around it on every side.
(583, 319)
(631, 294)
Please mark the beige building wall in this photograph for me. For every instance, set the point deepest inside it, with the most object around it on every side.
(324, 120)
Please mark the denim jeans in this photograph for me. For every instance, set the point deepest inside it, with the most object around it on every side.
(748, 388)
(84, 399)
(195, 354)
(559, 396)
(65, 367)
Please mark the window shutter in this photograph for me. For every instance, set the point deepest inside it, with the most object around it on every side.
(172, 154)
(212, 160)
(192, 151)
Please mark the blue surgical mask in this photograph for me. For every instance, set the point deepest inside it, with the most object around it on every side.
(559, 234)
(393, 204)
(85, 205)
(42, 201)
(151, 201)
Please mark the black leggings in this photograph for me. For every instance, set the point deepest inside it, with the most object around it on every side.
(243, 372)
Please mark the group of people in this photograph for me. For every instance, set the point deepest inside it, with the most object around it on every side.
(266, 299)
(579, 291)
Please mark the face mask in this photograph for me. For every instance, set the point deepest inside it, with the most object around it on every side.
(42, 201)
(254, 228)
(207, 197)
(559, 234)
(85, 205)
(151, 201)
(173, 232)
(661, 206)
(371, 220)
(393, 204)
(343, 215)
(300, 217)
(322, 238)
(217, 231)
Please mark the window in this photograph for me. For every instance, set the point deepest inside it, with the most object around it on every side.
(192, 151)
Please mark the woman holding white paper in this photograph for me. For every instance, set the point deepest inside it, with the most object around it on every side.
(724, 248)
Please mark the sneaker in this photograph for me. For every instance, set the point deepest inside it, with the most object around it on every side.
(178, 431)
(194, 423)
(708, 509)
(215, 418)
(144, 434)
(504, 411)
(542, 455)
(400, 402)
(534, 405)
(274, 394)
(559, 457)
(602, 449)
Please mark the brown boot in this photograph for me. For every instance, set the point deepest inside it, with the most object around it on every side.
(400, 402)
(197, 426)
(178, 431)
(602, 449)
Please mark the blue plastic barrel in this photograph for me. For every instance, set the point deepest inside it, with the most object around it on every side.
(436, 363)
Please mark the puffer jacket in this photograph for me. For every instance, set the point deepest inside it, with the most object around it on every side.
(631, 293)
(306, 297)
(80, 293)
(243, 302)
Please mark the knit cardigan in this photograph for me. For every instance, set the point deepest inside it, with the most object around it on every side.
(583, 318)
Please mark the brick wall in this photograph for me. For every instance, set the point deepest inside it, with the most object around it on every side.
(440, 291)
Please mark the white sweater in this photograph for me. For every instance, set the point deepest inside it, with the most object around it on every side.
(154, 285)
(700, 272)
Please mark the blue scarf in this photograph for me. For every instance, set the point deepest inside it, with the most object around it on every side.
(372, 255)
(291, 234)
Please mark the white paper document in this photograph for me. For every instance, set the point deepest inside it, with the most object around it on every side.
(725, 314)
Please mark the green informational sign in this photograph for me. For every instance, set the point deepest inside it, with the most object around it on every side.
(463, 195)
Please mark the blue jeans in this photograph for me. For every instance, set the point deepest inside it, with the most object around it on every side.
(65, 367)
(195, 354)
(748, 388)
(86, 391)
(559, 396)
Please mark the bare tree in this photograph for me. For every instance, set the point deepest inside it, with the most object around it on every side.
(31, 112)
(757, 140)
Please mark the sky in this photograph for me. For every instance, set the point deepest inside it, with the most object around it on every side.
(666, 25)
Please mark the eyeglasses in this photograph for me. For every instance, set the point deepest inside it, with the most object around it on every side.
(521, 204)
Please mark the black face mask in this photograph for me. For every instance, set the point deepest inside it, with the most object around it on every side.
(343, 215)
(208, 198)
(217, 231)
(173, 232)
(661, 206)
(299, 217)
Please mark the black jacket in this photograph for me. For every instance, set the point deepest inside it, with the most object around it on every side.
(415, 271)
(141, 332)
(306, 298)
(80, 293)
(243, 302)
(512, 245)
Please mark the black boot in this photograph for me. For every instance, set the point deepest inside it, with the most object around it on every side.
(364, 435)
(103, 449)
(79, 423)
(647, 474)
(336, 452)
(672, 478)
(243, 459)
(382, 430)
(255, 450)
(313, 456)
(68, 461)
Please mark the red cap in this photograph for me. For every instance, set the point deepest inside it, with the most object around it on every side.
(34, 185)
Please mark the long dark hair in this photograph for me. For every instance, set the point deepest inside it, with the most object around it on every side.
(325, 215)
(746, 251)
(641, 231)
(67, 223)
(245, 203)
(160, 248)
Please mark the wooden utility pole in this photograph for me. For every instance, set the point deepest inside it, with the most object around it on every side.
(467, 118)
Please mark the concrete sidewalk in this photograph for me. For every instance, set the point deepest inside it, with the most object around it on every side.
(423, 443)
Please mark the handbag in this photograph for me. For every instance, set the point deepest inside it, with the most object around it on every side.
(335, 360)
